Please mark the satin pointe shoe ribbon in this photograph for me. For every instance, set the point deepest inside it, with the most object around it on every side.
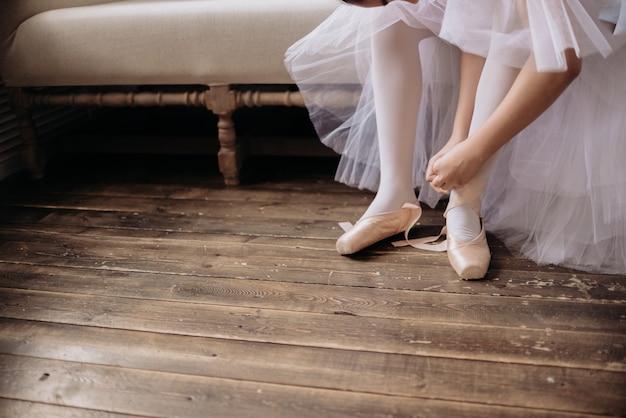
(375, 228)
(434, 243)
(470, 260)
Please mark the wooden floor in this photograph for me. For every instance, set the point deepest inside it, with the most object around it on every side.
(140, 286)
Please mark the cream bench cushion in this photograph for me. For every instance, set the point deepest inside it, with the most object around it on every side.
(159, 42)
(127, 51)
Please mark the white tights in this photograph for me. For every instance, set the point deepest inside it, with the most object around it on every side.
(462, 217)
(397, 84)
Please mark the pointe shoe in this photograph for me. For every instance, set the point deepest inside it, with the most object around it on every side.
(471, 259)
(375, 228)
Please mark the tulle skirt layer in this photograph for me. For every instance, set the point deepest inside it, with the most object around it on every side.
(332, 69)
(558, 192)
(509, 30)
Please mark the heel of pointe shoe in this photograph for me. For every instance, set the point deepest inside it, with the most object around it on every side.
(370, 230)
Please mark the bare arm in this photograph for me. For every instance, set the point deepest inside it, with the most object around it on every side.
(530, 95)
(471, 67)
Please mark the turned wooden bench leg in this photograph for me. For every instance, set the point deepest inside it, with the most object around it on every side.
(32, 154)
(229, 156)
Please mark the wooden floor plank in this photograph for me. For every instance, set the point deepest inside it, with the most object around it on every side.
(157, 394)
(317, 298)
(367, 372)
(321, 192)
(215, 208)
(151, 290)
(174, 223)
(403, 336)
(284, 259)
(16, 408)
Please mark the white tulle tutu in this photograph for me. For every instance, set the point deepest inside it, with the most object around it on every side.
(558, 193)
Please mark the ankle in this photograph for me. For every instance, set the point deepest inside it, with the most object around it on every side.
(463, 223)
(388, 202)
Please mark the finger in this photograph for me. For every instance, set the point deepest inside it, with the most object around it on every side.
(440, 185)
(439, 190)
(430, 174)
(430, 168)
(437, 181)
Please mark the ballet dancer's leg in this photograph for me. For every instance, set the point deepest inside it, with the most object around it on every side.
(397, 88)
(507, 101)
(468, 251)
(462, 217)
(397, 84)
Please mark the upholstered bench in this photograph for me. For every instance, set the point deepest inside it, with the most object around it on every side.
(218, 54)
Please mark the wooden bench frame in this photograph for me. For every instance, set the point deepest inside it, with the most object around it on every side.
(221, 100)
